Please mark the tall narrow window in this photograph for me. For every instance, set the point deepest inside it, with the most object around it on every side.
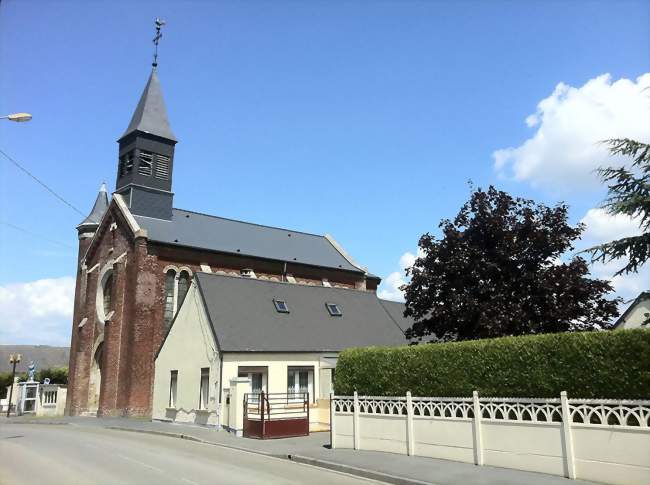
(170, 280)
(183, 286)
(204, 391)
(146, 162)
(173, 386)
(107, 291)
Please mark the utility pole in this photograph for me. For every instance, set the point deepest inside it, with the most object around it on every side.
(13, 359)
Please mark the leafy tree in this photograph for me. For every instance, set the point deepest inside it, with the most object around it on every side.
(629, 194)
(496, 272)
(5, 380)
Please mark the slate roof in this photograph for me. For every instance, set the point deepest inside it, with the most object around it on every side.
(98, 210)
(396, 310)
(43, 355)
(244, 318)
(150, 115)
(213, 233)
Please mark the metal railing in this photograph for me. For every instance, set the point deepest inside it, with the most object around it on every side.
(274, 415)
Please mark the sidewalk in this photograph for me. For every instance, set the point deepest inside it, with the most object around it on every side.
(314, 449)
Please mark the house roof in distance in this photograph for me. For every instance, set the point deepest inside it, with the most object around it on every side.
(244, 317)
(214, 233)
(644, 295)
(44, 356)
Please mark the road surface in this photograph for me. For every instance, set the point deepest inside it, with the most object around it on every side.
(66, 454)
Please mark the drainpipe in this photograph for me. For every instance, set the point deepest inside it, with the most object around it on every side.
(284, 272)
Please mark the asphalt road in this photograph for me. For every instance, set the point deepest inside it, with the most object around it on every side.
(64, 454)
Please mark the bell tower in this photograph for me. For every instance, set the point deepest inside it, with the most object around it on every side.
(146, 154)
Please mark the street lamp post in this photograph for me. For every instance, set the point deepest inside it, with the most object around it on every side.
(13, 360)
(17, 117)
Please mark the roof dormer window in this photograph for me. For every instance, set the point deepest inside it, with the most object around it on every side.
(247, 273)
(333, 309)
(281, 306)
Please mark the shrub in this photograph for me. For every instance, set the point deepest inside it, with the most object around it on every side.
(612, 365)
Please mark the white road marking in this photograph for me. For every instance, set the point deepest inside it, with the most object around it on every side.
(189, 481)
(151, 467)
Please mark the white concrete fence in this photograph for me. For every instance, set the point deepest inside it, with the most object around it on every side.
(592, 439)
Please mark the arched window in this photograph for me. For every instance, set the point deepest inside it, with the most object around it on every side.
(107, 290)
(170, 281)
(183, 286)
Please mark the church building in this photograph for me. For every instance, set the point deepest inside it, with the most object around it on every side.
(138, 256)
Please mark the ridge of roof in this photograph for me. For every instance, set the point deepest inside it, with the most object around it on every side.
(302, 285)
(265, 226)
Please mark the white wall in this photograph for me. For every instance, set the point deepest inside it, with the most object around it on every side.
(277, 364)
(189, 347)
(543, 435)
(637, 316)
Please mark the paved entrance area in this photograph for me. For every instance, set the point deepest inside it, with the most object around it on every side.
(314, 449)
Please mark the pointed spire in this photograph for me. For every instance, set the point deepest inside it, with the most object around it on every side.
(150, 115)
(96, 214)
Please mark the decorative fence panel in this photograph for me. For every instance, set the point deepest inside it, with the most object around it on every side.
(601, 440)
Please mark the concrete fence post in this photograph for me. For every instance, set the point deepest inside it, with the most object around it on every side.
(332, 421)
(476, 422)
(355, 423)
(410, 439)
(569, 461)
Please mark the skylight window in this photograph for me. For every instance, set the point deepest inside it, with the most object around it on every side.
(281, 306)
(334, 309)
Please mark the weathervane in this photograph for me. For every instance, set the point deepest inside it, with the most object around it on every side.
(156, 40)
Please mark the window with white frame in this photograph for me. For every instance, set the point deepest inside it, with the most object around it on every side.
(173, 386)
(258, 377)
(300, 380)
(204, 391)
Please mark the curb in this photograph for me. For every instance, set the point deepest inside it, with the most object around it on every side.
(305, 460)
(359, 472)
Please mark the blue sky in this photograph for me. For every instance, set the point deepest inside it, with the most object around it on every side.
(359, 119)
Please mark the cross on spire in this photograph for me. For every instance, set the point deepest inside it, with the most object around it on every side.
(156, 40)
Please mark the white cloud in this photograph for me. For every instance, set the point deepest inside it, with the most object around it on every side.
(389, 288)
(564, 150)
(37, 312)
(602, 227)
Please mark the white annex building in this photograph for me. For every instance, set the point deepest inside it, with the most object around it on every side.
(284, 337)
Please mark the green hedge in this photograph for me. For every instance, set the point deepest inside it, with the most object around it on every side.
(610, 364)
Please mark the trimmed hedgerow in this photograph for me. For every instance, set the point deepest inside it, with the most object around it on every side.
(612, 365)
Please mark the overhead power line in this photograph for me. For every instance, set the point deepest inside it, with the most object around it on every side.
(33, 234)
(43, 184)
